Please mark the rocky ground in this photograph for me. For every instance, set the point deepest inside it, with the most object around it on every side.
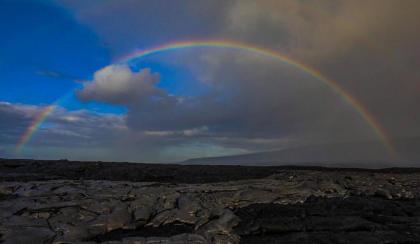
(65, 202)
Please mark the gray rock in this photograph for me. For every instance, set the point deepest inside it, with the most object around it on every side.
(75, 211)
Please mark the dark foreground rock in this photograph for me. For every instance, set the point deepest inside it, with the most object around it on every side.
(279, 206)
(334, 220)
(41, 170)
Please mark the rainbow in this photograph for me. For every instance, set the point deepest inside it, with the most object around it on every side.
(37, 122)
(357, 106)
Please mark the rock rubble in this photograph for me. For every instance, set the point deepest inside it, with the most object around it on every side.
(92, 211)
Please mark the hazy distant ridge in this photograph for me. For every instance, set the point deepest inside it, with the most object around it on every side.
(365, 154)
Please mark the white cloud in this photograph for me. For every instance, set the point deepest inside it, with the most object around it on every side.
(119, 85)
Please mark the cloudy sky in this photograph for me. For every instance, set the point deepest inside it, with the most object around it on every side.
(204, 101)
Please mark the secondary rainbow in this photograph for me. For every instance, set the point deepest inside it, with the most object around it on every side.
(357, 106)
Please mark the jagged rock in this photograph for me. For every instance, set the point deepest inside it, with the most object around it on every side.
(143, 207)
(119, 217)
(74, 211)
(220, 230)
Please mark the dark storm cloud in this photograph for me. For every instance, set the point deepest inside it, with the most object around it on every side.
(252, 100)
(127, 24)
(371, 48)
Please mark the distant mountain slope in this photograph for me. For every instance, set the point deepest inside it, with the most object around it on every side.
(363, 154)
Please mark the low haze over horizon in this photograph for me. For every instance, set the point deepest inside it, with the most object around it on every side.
(166, 81)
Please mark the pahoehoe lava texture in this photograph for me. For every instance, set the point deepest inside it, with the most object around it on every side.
(66, 202)
(334, 220)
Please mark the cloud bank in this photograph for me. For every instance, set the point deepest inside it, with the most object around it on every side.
(371, 48)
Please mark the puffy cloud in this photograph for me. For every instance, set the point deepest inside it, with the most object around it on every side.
(119, 85)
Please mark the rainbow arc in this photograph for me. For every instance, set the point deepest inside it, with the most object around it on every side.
(347, 97)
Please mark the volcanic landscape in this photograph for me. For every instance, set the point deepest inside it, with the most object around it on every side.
(97, 202)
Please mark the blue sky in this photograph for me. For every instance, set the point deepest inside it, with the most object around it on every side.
(46, 53)
(202, 101)
(38, 38)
